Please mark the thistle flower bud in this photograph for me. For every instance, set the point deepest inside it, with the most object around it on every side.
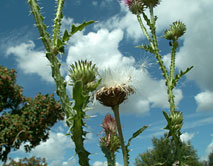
(135, 6)
(114, 95)
(176, 30)
(176, 120)
(151, 3)
(111, 143)
(110, 140)
(86, 72)
(83, 70)
(109, 124)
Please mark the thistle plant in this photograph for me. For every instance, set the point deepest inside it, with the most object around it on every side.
(176, 30)
(112, 96)
(110, 142)
(54, 46)
(83, 75)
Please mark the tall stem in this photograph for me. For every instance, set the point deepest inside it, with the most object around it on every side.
(118, 123)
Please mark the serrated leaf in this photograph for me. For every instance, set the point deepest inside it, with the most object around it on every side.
(75, 29)
(135, 134)
(166, 116)
(147, 48)
(65, 36)
(181, 74)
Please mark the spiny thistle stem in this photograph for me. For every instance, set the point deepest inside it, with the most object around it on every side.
(40, 25)
(144, 30)
(57, 21)
(60, 84)
(153, 26)
(51, 56)
(172, 75)
(155, 48)
(123, 147)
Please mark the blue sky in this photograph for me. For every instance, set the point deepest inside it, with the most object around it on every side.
(111, 43)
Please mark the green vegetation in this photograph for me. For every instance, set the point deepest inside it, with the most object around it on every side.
(163, 153)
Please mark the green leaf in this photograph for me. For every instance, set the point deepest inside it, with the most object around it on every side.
(147, 48)
(135, 134)
(75, 29)
(65, 36)
(181, 74)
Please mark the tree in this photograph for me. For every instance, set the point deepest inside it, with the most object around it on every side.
(23, 119)
(33, 161)
(210, 159)
(163, 154)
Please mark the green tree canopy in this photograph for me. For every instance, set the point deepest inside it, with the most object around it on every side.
(163, 154)
(23, 119)
(33, 161)
(210, 159)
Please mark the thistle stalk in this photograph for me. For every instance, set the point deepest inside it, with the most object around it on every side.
(74, 115)
(176, 30)
(52, 57)
(123, 147)
(57, 20)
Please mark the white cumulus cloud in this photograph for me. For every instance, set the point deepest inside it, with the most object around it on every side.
(209, 149)
(100, 163)
(31, 61)
(101, 48)
(204, 101)
(54, 148)
(185, 137)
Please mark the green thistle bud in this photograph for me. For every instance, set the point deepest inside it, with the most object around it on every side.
(176, 120)
(83, 70)
(112, 143)
(176, 30)
(86, 72)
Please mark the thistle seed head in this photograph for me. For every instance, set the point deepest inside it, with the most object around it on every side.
(114, 95)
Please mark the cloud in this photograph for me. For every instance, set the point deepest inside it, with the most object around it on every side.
(193, 52)
(198, 123)
(54, 148)
(100, 163)
(185, 137)
(31, 61)
(204, 101)
(209, 149)
(125, 21)
(197, 43)
(102, 48)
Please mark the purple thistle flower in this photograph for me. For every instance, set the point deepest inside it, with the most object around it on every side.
(127, 2)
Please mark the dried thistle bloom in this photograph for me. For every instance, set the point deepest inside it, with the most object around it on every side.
(114, 95)
(176, 30)
(116, 88)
